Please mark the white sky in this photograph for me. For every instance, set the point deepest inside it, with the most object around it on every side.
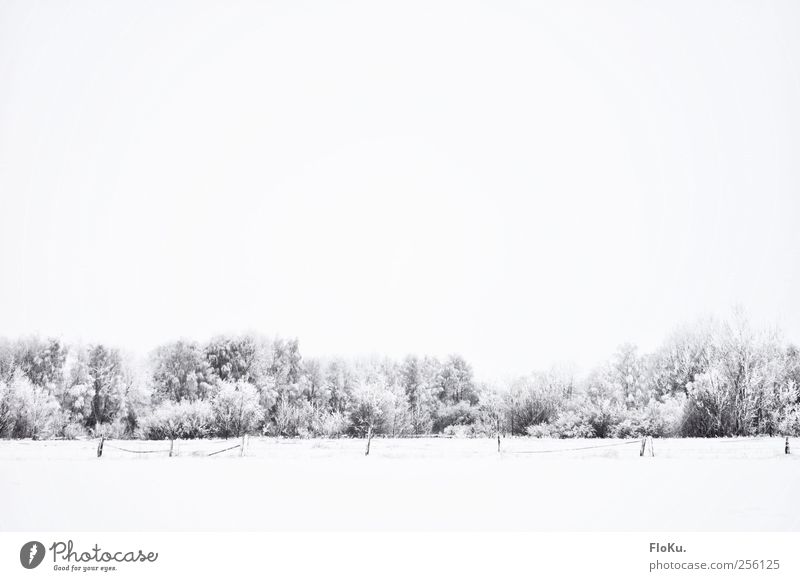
(520, 182)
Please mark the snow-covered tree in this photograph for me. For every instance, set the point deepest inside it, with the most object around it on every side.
(36, 408)
(181, 372)
(236, 408)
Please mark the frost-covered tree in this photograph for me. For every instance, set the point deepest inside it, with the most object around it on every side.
(181, 372)
(137, 393)
(313, 385)
(97, 386)
(7, 365)
(42, 361)
(7, 409)
(529, 401)
(36, 408)
(340, 381)
(287, 367)
(456, 383)
(416, 376)
(739, 390)
(233, 358)
(236, 408)
(685, 354)
(628, 373)
(371, 407)
(292, 419)
(399, 420)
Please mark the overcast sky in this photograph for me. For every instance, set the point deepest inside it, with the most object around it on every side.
(519, 182)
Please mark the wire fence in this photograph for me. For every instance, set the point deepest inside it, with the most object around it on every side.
(225, 450)
(135, 451)
(416, 447)
(555, 450)
(697, 448)
(171, 451)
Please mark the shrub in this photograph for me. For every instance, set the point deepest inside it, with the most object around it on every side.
(330, 424)
(568, 424)
(545, 430)
(291, 420)
(531, 400)
(115, 430)
(459, 414)
(236, 409)
(463, 431)
(74, 431)
(178, 420)
(658, 419)
(582, 418)
(701, 420)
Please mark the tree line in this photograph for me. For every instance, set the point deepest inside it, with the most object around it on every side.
(713, 378)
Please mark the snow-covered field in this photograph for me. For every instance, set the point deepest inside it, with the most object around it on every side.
(408, 484)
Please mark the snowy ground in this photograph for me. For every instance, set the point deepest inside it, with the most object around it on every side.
(410, 484)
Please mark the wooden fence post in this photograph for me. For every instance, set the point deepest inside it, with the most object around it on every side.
(369, 439)
(244, 445)
(786, 448)
(498, 435)
(652, 451)
(103, 439)
(644, 443)
(171, 446)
